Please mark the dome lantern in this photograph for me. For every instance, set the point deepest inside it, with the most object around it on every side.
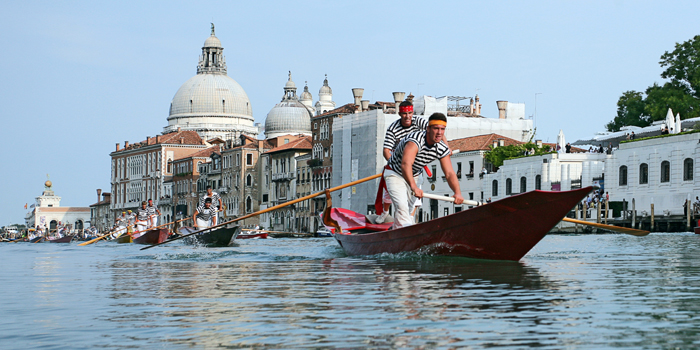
(290, 116)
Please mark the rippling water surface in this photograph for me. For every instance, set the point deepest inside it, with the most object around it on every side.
(570, 291)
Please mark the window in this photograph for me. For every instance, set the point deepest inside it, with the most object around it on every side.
(249, 180)
(643, 173)
(665, 171)
(523, 184)
(459, 170)
(248, 205)
(538, 182)
(509, 187)
(494, 188)
(249, 159)
(264, 198)
(688, 169)
(623, 175)
(447, 211)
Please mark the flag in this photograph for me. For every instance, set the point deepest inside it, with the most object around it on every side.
(25, 205)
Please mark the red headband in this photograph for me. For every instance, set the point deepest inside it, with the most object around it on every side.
(405, 109)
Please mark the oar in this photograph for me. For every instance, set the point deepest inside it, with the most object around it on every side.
(270, 209)
(629, 231)
(111, 232)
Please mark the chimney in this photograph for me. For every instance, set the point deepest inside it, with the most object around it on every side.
(501, 142)
(477, 105)
(117, 146)
(182, 140)
(502, 109)
(398, 98)
(157, 138)
(365, 104)
(99, 192)
(126, 144)
(357, 93)
(538, 143)
(178, 129)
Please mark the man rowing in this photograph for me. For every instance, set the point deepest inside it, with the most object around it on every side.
(152, 211)
(412, 153)
(215, 199)
(142, 216)
(204, 216)
(407, 123)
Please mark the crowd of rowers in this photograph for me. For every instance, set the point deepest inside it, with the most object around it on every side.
(145, 218)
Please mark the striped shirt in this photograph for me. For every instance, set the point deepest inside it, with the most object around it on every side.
(142, 214)
(214, 199)
(152, 210)
(396, 132)
(426, 153)
(205, 213)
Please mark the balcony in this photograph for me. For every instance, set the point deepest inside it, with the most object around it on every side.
(283, 176)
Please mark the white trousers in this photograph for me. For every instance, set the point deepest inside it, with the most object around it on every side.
(202, 224)
(141, 227)
(401, 196)
(153, 221)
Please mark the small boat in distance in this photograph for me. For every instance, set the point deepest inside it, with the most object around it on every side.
(64, 239)
(502, 230)
(252, 234)
(151, 237)
(220, 237)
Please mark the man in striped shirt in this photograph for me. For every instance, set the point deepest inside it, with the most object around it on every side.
(412, 153)
(142, 215)
(152, 211)
(204, 216)
(215, 200)
(408, 123)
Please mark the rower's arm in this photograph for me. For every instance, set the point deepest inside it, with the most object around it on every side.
(387, 153)
(451, 178)
(194, 218)
(409, 156)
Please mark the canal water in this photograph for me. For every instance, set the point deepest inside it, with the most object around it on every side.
(569, 292)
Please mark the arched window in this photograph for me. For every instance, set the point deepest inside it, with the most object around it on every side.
(523, 184)
(623, 175)
(494, 188)
(643, 173)
(249, 180)
(665, 171)
(688, 169)
(509, 187)
(248, 205)
(538, 182)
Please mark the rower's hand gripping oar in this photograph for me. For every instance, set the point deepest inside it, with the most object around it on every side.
(629, 231)
(270, 209)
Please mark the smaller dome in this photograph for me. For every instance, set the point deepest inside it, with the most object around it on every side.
(290, 84)
(212, 41)
(325, 89)
(306, 95)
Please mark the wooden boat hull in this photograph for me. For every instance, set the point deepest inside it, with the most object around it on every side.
(221, 237)
(124, 239)
(503, 230)
(261, 235)
(33, 240)
(64, 239)
(151, 237)
(697, 230)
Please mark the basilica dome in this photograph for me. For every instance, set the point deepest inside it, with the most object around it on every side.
(212, 103)
(289, 116)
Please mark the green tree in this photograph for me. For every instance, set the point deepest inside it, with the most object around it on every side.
(681, 93)
(498, 155)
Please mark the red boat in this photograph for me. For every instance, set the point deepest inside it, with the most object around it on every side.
(251, 234)
(64, 239)
(503, 230)
(151, 237)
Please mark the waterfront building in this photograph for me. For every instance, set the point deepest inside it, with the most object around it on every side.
(290, 116)
(140, 170)
(185, 176)
(658, 170)
(211, 103)
(100, 215)
(305, 218)
(47, 212)
(243, 180)
(281, 171)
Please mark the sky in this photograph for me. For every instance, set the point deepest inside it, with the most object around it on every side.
(77, 77)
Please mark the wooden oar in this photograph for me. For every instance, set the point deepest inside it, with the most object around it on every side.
(629, 231)
(99, 238)
(270, 209)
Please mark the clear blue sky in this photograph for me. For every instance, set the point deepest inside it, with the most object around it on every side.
(78, 77)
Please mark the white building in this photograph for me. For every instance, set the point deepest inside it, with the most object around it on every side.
(48, 213)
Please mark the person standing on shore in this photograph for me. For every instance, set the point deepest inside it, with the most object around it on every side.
(152, 211)
(407, 123)
(412, 153)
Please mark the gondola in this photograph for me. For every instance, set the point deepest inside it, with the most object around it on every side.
(503, 230)
(33, 240)
(154, 236)
(64, 239)
(252, 234)
(220, 237)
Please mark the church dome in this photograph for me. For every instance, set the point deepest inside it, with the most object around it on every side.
(325, 89)
(289, 116)
(211, 95)
(212, 41)
(306, 95)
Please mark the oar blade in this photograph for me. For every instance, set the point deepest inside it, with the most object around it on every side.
(626, 230)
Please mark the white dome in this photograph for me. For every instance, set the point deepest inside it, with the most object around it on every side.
(306, 95)
(211, 95)
(212, 41)
(288, 117)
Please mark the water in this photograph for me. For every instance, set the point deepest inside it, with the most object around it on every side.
(570, 291)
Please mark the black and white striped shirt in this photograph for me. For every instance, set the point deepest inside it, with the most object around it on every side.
(214, 199)
(152, 210)
(426, 154)
(142, 214)
(396, 132)
(205, 213)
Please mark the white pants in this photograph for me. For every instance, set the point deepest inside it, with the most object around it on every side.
(141, 227)
(202, 224)
(401, 196)
(153, 221)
